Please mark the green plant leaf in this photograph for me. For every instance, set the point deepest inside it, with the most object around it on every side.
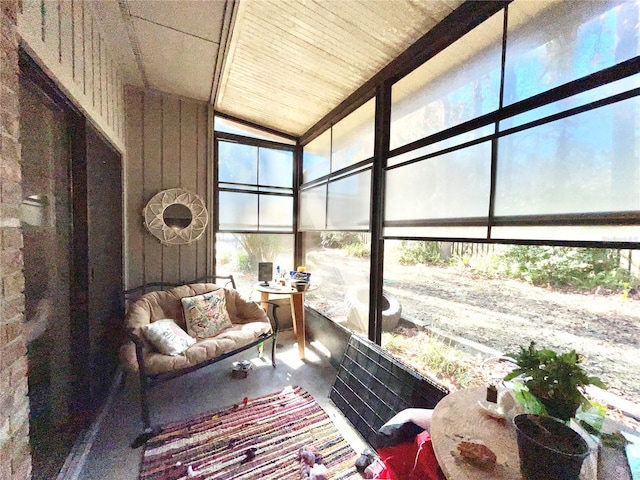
(529, 401)
(592, 413)
(552, 377)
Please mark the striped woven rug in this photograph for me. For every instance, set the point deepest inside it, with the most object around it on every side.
(255, 439)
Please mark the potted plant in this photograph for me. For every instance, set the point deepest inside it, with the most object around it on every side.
(548, 449)
(554, 379)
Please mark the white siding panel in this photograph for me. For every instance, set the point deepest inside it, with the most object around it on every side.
(66, 34)
(78, 44)
(52, 26)
(64, 37)
(30, 22)
(88, 56)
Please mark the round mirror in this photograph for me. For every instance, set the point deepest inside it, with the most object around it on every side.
(177, 216)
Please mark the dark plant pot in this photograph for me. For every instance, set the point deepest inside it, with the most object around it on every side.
(549, 450)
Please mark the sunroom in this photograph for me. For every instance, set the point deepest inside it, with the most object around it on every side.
(451, 173)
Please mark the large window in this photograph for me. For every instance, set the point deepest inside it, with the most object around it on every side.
(352, 138)
(578, 164)
(524, 130)
(254, 207)
(451, 186)
(336, 190)
(255, 183)
(335, 214)
(550, 43)
(463, 302)
(541, 146)
(459, 84)
(339, 261)
(512, 154)
(229, 126)
(238, 254)
(348, 142)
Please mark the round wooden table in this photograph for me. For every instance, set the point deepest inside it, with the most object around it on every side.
(458, 417)
(297, 308)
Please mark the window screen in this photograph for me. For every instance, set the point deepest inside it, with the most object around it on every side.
(581, 164)
(255, 184)
(552, 43)
(454, 185)
(459, 84)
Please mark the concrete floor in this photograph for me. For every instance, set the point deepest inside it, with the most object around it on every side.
(111, 457)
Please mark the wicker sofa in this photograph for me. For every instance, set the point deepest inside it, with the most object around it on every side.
(250, 327)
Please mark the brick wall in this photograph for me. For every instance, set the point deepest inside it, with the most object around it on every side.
(15, 457)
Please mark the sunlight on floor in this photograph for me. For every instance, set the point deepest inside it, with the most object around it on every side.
(292, 360)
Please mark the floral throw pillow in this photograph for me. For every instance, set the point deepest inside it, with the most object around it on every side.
(167, 337)
(206, 315)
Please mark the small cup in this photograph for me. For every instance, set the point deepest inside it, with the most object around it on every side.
(301, 286)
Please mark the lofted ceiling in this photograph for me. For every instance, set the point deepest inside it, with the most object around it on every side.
(283, 64)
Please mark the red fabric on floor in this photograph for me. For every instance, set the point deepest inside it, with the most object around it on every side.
(410, 461)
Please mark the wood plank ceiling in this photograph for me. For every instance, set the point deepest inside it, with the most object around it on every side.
(283, 64)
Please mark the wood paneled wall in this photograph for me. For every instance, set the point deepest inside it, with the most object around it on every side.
(66, 38)
(167, 148)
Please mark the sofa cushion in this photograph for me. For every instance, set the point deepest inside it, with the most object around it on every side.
(226, 341)
(206, 315)
(167, 337)
(249, 321)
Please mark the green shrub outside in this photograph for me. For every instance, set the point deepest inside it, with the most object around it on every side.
(351, 242)
(414, 252)
(359, 250)
(244, 262)
(573, 267)
(339, 239)
(582, 268)
(256, 247)
(224, 258)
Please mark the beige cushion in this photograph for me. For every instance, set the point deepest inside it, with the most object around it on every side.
(167, 337)
(248, 320)
(206, 315)
(207, 348)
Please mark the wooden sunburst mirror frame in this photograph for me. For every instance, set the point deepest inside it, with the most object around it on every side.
(183, 230)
